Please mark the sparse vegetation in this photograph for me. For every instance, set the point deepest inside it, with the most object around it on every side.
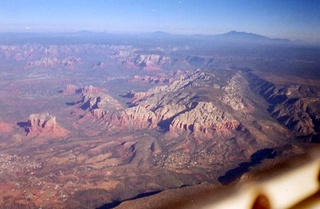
(177, 125)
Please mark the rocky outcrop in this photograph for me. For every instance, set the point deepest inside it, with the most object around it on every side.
(178, 109)
(44, 62)
(144, 60)
(204, 118)
(151, 61)
(68, 62)
(196, 104)
(134, 118)
(234, 91)
(160, 78)
(44, 125)
(159, 97)
(300, 115)
(199, 61)
(148, 108)
(295, 106)
(107, 109)
(89, 89)
(70, 89)
(99, 100)
(73, 89)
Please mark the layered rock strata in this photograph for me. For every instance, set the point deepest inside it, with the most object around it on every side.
(44, 125)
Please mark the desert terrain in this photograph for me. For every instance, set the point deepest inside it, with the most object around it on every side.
(105, 121)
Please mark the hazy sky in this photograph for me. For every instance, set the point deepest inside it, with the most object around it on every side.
(295, 19)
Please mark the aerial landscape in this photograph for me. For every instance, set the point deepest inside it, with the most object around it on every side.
(114, 105)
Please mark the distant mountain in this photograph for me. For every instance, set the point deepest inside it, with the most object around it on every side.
(232, 37)
(161, 33)
(236, 36)
(244, 35)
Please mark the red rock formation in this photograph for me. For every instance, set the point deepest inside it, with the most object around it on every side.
(138, 96)
(107, 109)
(90, 89)
(70, 89)
(167, 111)
(70, 62)
(98, 100)
(44, 125)
(180, 108)
(134, 118)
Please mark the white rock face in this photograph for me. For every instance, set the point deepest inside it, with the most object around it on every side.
(204, 117)
(234, 91)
